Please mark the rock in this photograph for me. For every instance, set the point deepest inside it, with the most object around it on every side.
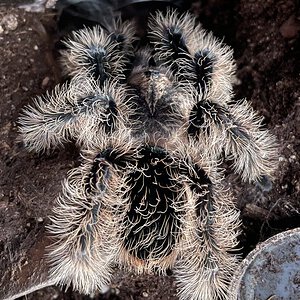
(9, 22)
(290, 28)
(145, 295)
(38, 5)
(45, 82)
(50, 3)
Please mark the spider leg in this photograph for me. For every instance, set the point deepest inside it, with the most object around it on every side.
(169, 35)
(100, 54)
(86, 216)
(237, 130)
(71, 110)
(252, 148)
(207, 262)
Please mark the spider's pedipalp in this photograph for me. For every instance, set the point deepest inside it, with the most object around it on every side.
(95, 52)
(72, 110)
(86, 216)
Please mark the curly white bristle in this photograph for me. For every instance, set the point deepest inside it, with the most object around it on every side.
(112, 112)
(46, 123)
(92, 50)
(204, 125)
(210, 237)
(120, 141)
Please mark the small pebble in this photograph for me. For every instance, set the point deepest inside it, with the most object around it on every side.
(40, 219)
(55, 295)
(117, 291)
(145, 294)
(26, 262)
(50, 3)
(45, 82)
(290, 28)
(36, 48)
(1, 29)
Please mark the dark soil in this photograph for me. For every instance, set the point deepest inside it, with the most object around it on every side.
(265, 38)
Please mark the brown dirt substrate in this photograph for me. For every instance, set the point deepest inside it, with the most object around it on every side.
(265, 38)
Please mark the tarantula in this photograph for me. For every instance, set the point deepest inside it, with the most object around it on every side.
(153, 124)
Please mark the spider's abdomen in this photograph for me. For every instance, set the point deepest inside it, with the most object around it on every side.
(152, 226)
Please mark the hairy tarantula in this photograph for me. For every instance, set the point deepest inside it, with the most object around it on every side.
(153, 124)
